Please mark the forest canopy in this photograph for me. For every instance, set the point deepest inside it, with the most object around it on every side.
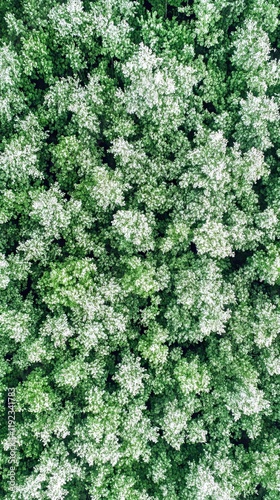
(140, 249)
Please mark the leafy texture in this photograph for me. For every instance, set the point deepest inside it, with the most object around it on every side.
(140, 249)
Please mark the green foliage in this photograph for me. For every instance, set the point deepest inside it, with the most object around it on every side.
(139, 249)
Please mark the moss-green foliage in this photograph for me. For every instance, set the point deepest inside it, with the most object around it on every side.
(139, 248)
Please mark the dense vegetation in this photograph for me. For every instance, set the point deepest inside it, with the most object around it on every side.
(140, 248)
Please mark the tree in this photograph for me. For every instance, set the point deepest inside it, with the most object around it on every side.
(139, 249)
